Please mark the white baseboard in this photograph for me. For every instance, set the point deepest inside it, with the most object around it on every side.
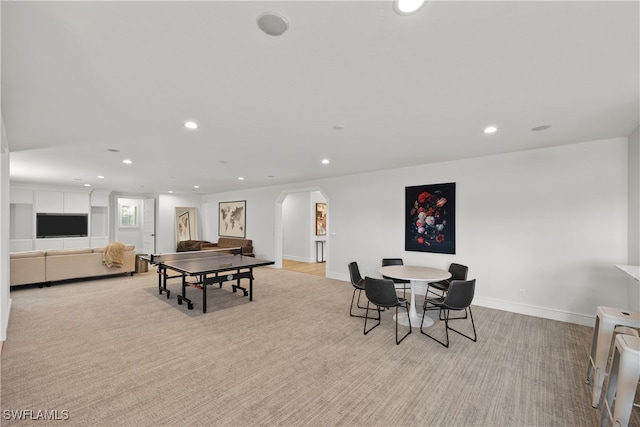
(530, 310)
(297, 258)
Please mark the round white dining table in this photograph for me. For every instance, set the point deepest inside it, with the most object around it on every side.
(417, 275)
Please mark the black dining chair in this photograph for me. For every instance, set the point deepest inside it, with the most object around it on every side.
(458, 272)
(459, 297)
(400, 283)
(358, 286)
(382, 293)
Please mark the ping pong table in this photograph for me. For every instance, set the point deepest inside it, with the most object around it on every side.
(208, 267)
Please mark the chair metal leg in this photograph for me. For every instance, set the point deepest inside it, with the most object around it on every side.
(446, 331)
(358, 305)
(406, 305)
(365, 319)
(475, 335)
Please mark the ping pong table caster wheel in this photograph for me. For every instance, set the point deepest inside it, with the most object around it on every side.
(168, 293)
(234, 289)
(179, 301)
(190, 306)
(246, 293)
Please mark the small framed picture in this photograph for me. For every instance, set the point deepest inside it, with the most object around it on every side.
(321, 219)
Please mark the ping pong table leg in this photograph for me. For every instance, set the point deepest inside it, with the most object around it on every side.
(183, 297)
(204, 293)
(164, 283)
(251, 284)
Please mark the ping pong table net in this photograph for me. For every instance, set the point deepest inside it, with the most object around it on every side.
(209, 253)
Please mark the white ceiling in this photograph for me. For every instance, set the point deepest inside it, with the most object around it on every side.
(79, 78)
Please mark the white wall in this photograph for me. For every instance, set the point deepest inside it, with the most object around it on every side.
(541, 230)
(634, 198)
(634, 217)
(5, 300)
(166, 225)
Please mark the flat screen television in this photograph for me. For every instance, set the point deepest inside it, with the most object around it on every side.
(61, 225)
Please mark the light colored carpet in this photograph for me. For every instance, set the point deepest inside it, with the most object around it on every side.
(112, 352)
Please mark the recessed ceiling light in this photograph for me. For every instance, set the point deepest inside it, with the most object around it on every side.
(127, 161)
(196, 186)
(539, 128)
(241, 178)
(272, 24)
(407, 7)
(490, 129)
(100, 177)
(191, 125)
(325, 161)
(87, 185)
(170, 191)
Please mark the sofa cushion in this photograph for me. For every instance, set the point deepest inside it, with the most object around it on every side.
(27, 254)
(190, 245)
(230, 242)
(126, 248)
(55, 252)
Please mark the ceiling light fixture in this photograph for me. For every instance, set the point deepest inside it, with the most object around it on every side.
(272, 24)
(100, 177)
(325, 161)
(407, 7)
(191, 125)
(87, 185)
(490, 129)
(127, 161)
(196, 186)
(241, 178)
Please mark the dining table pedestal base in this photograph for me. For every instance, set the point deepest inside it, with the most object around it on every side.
(416, 320)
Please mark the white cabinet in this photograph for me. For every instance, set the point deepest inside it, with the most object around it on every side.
(49, 201)
(46, 244)
(26, 202)
(100, 198)
(75, 202)
(20, 245)
(99, 218)
(99, 242)
(21, 196)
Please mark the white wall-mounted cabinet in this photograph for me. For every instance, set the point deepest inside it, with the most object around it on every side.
(62, 243)
(76, 202)
(99, 218)
(49, 201)
(26, 203)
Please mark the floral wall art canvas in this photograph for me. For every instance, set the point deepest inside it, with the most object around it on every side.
(430, 218)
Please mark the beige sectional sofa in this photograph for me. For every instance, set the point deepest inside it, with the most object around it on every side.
(63, 264)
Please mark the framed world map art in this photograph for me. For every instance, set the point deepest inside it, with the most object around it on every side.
(232, 219)
(430, 212)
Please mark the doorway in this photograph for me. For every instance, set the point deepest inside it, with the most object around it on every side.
(135, 223)
(297, 234)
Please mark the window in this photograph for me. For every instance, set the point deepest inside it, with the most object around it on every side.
(128, 216)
